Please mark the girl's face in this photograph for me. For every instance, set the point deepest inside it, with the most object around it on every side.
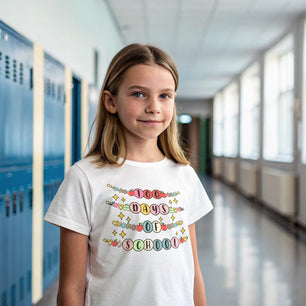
(144, 103)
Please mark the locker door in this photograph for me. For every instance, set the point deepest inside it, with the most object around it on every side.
(4, 200)
(54, 150)
(16, 138)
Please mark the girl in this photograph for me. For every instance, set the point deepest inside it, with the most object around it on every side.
(127, 210)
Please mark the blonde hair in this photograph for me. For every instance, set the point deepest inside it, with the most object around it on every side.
(109, 143)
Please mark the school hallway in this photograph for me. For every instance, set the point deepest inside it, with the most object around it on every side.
(248, 256)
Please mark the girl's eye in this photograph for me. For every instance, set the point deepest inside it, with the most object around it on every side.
(138, 94)
(165, 96)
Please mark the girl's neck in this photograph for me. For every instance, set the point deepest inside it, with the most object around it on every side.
(144, 152)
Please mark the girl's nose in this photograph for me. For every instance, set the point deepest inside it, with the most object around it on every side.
(153, 106)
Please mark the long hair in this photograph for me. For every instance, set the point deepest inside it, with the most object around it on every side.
(109, 143)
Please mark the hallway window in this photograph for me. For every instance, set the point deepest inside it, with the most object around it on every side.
(218, 126)
(279, 102)
(231, 121)
(249, 128)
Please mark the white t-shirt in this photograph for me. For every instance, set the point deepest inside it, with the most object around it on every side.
(136, 217)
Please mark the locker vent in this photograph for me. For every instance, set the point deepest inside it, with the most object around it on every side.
(7, 67)
(0, 63)
(60, 93)
(47, 87)
(14, 70)
(20, 73)
(4, 299)
(13, 294)
(21, 288)
(29, 281)
(58, 97)
(53, 89)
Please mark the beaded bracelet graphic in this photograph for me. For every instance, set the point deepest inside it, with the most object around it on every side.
(146, 209)
(148, 226)
(147, 194)
(148, 244)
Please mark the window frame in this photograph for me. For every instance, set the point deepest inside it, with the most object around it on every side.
(273, 105)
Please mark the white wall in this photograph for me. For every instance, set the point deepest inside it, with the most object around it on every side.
(69, 30)
(195, 107)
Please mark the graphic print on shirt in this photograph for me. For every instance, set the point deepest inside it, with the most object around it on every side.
(132, 208)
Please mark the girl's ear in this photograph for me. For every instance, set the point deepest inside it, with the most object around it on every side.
(109, 102)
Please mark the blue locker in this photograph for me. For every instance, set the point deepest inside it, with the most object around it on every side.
(54, 150)
(16, 153)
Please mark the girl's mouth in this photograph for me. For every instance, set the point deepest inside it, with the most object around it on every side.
(150, 122)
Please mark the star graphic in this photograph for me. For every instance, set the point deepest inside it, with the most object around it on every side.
(172, 218)
(183, 231)
(121, 215)
(123, 200)
(170, 201)
(122, 234)
(128, 219)
(115, 233)
(175, 200)
(160, 219)
(115, 197)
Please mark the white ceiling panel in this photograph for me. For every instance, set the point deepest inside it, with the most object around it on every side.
(211, 41)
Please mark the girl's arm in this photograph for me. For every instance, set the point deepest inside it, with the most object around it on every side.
(199, 296)
(73, 264)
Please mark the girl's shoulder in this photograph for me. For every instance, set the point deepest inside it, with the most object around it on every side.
(185, 168)
(183, 172)
(87, 168)
(85, 164)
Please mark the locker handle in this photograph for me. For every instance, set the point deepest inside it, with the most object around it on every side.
(31, 198)
(20, 201)
(31, 78)
(14, 203)
(1, 198)
(7, 205)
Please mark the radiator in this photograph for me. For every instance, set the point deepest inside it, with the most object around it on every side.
(217, 167)
(230, 171)
(248, 179)
(278, 190)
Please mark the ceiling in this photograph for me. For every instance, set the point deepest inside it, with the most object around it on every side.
(211, 41)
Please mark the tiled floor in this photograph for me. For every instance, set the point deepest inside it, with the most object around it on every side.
(247, 258)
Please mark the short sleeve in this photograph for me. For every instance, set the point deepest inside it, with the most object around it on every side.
(199, 202)
(70, 207)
